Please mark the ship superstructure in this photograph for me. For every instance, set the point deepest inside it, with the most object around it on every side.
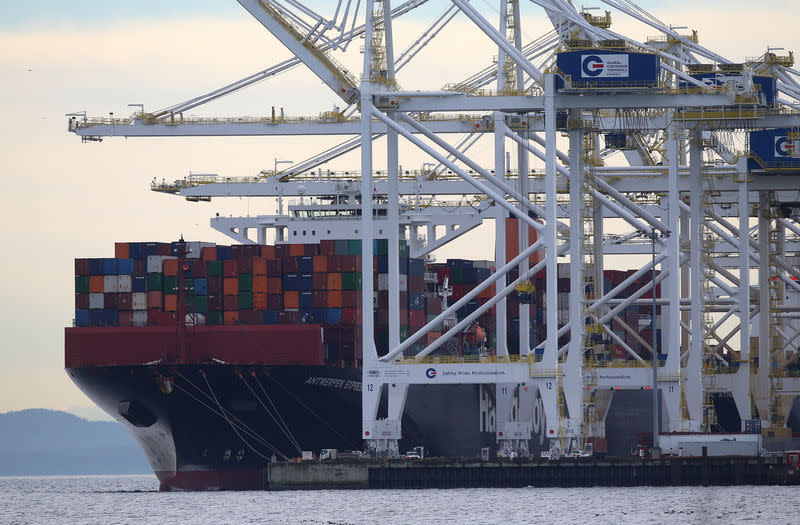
(706, 198)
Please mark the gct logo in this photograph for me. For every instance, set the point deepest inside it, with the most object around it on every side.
(430, 373)
(783, 148)
(592, 66)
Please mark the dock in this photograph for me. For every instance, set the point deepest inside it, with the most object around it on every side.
(567, 472)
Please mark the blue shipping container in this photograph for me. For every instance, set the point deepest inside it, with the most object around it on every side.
(95, 317)
(223, 253)
(770, 150)
(416, 267)
(271, 317)
(125, 266)
(305, 281)
(416, 301)
(334, 315)
(312, 315)
(305, 300)
(109, 267)
(201, 286)
(96, 266)
(139, 284)
(305, 264)
(291, 282)
(82, 317)
(598, 68)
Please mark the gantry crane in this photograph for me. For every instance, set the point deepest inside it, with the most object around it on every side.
(710, 209)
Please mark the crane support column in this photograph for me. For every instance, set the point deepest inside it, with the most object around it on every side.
(694, 364)
(761, 377)
(741, 383)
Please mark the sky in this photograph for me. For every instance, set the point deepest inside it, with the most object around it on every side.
(64, 200)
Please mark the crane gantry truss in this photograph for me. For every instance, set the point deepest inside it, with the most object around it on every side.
(686, 191)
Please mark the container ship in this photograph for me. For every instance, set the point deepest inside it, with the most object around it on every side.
(221, 359)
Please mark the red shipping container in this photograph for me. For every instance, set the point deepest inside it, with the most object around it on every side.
(237, 250)
(244, 265)
(320, 264)
(274, 268)
(251, 317)
(155, 300)
(125, 318)
(215, 285)
(512, 241)
(81, 301)
(121, 250)
(349, 315)
(209, 253)
(140, 267)
(259, 301)
(259, 266)
(268, 252)
(334, 281)
(171, 302)
(290, 265)
(198, 268)
(260, 284)
(350, 263)
(320, 281)
(327, 247)
(351, 298)
(81, 266)
(416, 283)
(383, 316)
(229, 268)
(215, 303)
(124, 301)
(110, 300)
(320, 299)
(281, 251)
(334, 263)
(170, 267)
(163, 249)
(96, 284)
(274, 285)
(232, 317)
(291, 299)
(275, 302)
(231, 285)
(230, 302)
(289, 317)
(311, 249)
(297, 250)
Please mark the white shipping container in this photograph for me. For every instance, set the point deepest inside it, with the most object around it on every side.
(124, 284)
(194, 249)
(139, 317)
(483, 264)
(139, 301)
(383, 282)
(155, 263)
(563, 270)
(110, 284)
(96, 301)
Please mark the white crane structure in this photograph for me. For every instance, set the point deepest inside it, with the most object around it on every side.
(687, 187)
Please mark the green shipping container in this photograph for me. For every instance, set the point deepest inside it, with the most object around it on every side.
(403, 333)
(81, 284)
(245, 300)
(170, 284)
(383, 247)
(351, 281)
(403, 249)
(245, 283)
(214, 268)
(199, 304)
(215, 318)
(354, 246)
(155, 282)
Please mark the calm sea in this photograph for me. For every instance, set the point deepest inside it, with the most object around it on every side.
(135, 500)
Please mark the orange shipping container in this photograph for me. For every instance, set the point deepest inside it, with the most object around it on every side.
(97, 284)
(268, 252)
(291, 300)
(320, 263)
(512, 241)
(122, 250)
(259, 284)
(334, 281)
(487, 293)
(433, 336)
(209, 253)
(274, 285)
(259, 301)
(259, 266)
(232, 317)
(171, 302)
(297, 250)
(231, 286)
(334, 298)
(170, 267)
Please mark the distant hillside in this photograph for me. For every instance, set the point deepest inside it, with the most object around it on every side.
(48, 442)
